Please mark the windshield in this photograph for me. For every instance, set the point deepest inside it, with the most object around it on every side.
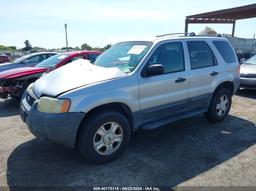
(125, 55)
(52, 61)
(251, 60)
(20, 59)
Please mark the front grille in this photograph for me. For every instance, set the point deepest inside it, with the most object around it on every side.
(248, 75)
(30, 100)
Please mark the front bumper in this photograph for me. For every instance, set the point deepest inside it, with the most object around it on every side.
(60, 128)
(247, 82)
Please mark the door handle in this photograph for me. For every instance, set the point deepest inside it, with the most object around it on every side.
(214, 73)
(179, 80)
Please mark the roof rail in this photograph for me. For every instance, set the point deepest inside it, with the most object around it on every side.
(170, 34)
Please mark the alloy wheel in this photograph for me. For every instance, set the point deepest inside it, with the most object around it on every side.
(222, 105)
(108, 138)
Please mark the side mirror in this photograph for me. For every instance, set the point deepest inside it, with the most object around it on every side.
(154, 70)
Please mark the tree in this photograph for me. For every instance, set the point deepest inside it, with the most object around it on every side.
(86, 47)
(37, 49)
(12, 47)
(27, 47)
(105, 47)
(67, 48)
(7, 48)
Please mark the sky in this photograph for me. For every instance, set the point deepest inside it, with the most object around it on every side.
(101, 22)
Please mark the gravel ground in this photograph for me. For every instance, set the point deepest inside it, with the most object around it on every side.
(189, 152)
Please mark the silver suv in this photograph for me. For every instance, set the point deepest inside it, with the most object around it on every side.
(135, 84)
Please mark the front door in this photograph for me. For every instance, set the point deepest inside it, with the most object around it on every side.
(164, 95)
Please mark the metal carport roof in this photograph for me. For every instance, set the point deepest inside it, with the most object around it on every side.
(223, 16)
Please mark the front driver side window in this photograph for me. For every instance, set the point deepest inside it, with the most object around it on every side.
(75, 58)
(92, 57)
(36, 59)
(170, 55)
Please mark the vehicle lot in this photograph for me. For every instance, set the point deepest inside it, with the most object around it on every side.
(189, 152)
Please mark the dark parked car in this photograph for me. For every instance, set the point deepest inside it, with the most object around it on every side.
(4, 58)
(248, 73)
(14, 82)
(26, 61)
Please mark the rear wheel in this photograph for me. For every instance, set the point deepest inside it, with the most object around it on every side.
(219, 106)
(104, 136)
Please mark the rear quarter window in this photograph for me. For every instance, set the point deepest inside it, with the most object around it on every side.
(226, 51)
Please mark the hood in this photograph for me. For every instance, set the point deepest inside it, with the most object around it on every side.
(248, 69)
(19, 72)
(76, 74)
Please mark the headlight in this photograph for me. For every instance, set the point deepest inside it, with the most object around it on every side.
(53, 105)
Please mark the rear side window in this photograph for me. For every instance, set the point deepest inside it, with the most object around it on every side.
(225, 50)
(200, 55)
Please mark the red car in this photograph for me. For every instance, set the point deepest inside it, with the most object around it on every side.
(4, 58)
(15, 81)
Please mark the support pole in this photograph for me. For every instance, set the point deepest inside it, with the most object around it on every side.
(233, 28)
(66, 32)
(186, 27)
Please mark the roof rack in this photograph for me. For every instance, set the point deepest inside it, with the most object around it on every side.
(170, 34)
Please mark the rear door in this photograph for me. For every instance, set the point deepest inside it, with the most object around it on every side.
(204, 71)
(165, 95)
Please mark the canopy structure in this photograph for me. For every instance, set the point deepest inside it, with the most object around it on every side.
(223, 16)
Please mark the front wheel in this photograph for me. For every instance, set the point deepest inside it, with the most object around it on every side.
(219, 106)
(104, 136)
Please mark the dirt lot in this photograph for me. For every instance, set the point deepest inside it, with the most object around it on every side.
(189, 152)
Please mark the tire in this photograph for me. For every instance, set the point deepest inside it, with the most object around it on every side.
(90, 136)
(216, 111)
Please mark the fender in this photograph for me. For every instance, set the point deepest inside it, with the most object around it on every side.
(94, 100)
(90, 99)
